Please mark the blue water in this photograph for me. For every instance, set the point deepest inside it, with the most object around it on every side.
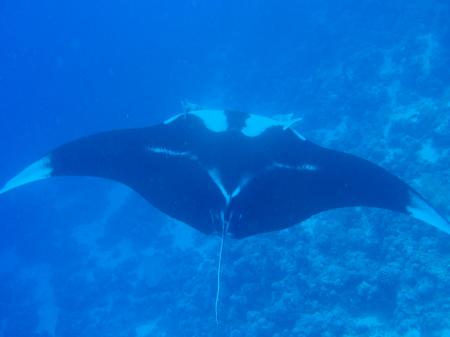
(86, 257)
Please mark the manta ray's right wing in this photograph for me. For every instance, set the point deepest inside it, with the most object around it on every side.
(308, 179)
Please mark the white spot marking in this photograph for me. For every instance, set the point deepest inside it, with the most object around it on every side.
(419, 209)
(37, 171)
(214, 120)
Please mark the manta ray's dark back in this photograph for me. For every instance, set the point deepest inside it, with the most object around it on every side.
(219, 170)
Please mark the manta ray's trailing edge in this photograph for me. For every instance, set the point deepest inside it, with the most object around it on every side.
(208, 168)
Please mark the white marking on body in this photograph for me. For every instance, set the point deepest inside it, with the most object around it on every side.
(171, 153)
(215, 176)
(303, 167)
(298, 134)
(419, 209)
(291, 122)
(37, 171)
(173, 118)
(238, 189)
(214, 120)
(256, 125)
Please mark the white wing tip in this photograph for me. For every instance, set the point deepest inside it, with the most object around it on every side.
(421, 210)
(39, 170)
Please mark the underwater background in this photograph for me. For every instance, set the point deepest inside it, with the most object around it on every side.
(87, 257)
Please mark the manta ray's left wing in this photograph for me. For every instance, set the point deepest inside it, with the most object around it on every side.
(154, 161)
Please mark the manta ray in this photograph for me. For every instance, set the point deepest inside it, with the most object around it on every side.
(229, 171)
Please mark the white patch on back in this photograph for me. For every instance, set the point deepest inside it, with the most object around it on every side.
(256, 125)
(419, 209)
(37, 171)
(214, 120)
